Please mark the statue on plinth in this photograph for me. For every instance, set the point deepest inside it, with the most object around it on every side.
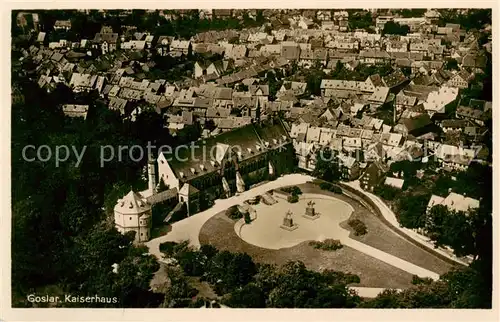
(310, 211)
(288, 223)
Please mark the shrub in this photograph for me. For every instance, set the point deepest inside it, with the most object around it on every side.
(330, 187)
(168, 248)
(234, 213)
(358, 226)
(416, 280)
(386, 192)
(247, 218)
(327, 244)
(294, 190)
(293, 199)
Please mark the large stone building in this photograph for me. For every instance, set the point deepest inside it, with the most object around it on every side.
(226, 164)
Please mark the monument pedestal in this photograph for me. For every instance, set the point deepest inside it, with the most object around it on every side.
(311, 212)
(288, 223)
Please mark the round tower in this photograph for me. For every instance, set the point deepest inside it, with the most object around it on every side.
(133, 213)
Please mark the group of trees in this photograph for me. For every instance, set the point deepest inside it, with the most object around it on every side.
(87, 24)
(245, 284)
(58, 209)
(471, 19)
(361, 72)
(328, 166)
(394, 28)
(360, 20)
(459, 288)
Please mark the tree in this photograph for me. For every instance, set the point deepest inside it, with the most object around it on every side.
(386, 192)
(228, 271)
(412, 210)
(459, 288)
(327, 165)
(451, 64)
(249, 296)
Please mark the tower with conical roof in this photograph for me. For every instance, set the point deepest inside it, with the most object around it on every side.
(133, 213)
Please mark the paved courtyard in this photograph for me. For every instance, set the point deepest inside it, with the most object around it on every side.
(265, 230)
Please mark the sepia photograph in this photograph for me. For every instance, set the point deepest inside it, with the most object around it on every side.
(251, 158)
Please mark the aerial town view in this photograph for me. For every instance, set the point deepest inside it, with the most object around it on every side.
(252, 158)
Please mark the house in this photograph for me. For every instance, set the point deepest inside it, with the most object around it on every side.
(215, 69)
(378, 97)
(395, 80)
(222, 13)
(452, 157)
(394, 182)
(350, 167)
(74, 110)
(62, 25)
(416, 126)
(324, 15)
(460, 79)
(133, 45)
(437, 100)
(306, 155)
(41, 37)
(290, 51)
(396, 47)
(374, 152)
(293, 88)
(298, 132)
(373, 175)
(236, 52)
(328, 25)
(454, 202)
(108, 41)
(118, 104)
(475, 115)
(180, 47)
(305, 23)
(259, 91)
(404, 102)
(454, 125)
(474, 60)
(82, 82)
(374, 57)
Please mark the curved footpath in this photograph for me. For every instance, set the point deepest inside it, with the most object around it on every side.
(390, 216)
(189, 228)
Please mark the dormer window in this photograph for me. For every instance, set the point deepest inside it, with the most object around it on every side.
(212, 163)
(181, 174)
(202, 167)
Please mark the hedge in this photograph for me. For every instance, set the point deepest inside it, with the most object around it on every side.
(234, 213)
(330, 187)
(293, 199)
(358, 226)
(327, 244)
